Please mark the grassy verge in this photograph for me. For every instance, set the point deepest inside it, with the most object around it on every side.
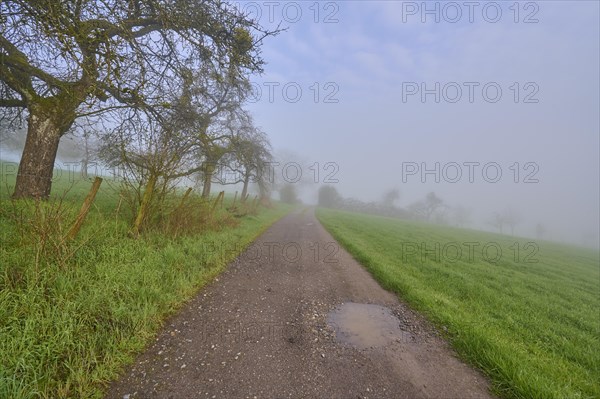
(72, 315)
(528, 316)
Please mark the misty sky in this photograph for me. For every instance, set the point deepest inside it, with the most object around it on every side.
(379, 52)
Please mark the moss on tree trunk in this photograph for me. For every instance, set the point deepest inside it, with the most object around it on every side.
(45, 128)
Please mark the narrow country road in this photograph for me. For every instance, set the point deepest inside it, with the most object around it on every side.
(296, 317)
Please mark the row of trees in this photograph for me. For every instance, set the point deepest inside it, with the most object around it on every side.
(432, 208)
(426, 209)
(162, 82)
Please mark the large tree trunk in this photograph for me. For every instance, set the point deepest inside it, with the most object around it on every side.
(45, 127)
(245, 189)
(34, 178)
(206, 185)
(208, 170)
(145, 204)
(84, 168)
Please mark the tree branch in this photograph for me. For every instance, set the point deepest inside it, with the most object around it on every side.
(12, 103)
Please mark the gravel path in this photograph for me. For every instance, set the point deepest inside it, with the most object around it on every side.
(287, 320)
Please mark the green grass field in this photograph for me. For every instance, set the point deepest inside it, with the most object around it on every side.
(528, 316)
(72, 318)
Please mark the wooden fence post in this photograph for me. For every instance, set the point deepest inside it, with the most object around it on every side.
(219, 198)
(185, 197)
(85, 208)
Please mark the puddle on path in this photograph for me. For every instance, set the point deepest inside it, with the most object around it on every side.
(365, 326)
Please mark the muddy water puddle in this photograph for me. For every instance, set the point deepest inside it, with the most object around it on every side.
(366, 326)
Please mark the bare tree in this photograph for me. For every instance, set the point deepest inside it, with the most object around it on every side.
(214, 144)
(210, 108)
(250, 157)
(150, 157)
(89, 150)
(424, 209)
(214, 150)
(191, 137)
(61, 60)
(511, 218)
(80, 147)
(497, 222)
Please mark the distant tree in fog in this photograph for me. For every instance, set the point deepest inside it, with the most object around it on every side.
(509, 217)
(497, 222)
(80, 146)
(390, 198)
(288, 194)
(461, 216)
(424, 209)
(329, 197)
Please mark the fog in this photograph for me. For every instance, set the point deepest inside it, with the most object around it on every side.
(492, 106)
(362, 105)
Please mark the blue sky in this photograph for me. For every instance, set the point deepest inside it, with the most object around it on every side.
(376, 48)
